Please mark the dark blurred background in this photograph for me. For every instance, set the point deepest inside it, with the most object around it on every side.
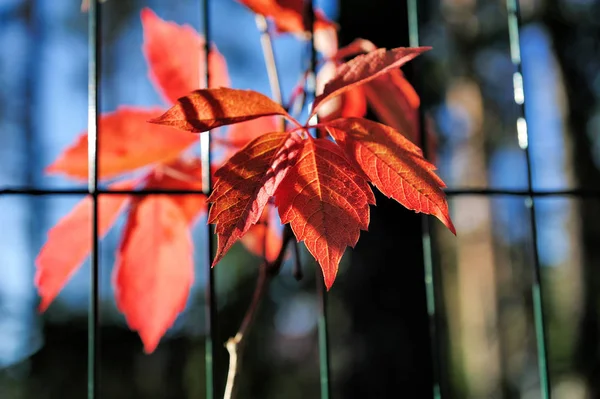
(379, 331)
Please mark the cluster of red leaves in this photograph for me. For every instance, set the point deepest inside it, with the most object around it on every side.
(319, 186)
(154, 267)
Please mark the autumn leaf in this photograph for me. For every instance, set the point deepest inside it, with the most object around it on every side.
(181, 175)
(245, 183)
(242, 133)
(364, 68)
(350, 103)
(154, 268)
(70, 241)
(176, 58)
(326, 202)
(265, 238)
(203, 110)
(287, 14)
(395, 103)
(126, 142)
(393, 164)
(357, 47)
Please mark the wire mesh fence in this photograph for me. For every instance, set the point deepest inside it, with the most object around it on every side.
(529, 195)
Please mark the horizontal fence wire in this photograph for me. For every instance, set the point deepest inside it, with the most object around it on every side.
(452, 192)
(94, 191)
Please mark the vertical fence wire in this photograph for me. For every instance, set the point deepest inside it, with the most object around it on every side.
(94, 28)
(210, 311)
(513, 13)
(429, 273)
(323, 334)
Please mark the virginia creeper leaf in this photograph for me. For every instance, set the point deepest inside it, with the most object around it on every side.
(125, 142)
(242, 133)
(395, 102)
(287, 14)
(181, 175)
(350, 103)
(70, 241)
(358, 46)
(246, 182)
(394, 165)
(364, 68)
(175, 55)
(207, 109)
(265, 238)
(154, 268)
(326, 201)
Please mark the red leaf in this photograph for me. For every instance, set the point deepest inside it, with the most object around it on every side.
(265, 238)
(326, 201)
(70, 242)
(125, 142)
(394, 165)
(154, 269)
(245, 183)
(287, 14)
(365, 68)
(181, 175)
(350, 103)
(207, 109)
(358, 46)
(175, 55)
(395, 102)
(242, 133)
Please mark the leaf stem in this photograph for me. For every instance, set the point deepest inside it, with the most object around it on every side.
(235, 345)
(177, 175)
(297, 271)
(270, 63)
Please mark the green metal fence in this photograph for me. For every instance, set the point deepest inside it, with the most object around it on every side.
(430, 278)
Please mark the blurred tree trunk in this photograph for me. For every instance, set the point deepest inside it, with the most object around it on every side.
(581, 101)
(384, 287)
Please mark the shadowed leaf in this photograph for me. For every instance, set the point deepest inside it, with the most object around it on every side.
(364, 68)
(245, 183)
(207, 109)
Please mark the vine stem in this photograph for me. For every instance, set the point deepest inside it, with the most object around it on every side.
(235, 345)
(269, 56)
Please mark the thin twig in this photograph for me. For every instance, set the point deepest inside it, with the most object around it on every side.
(269, 56)
(177, 175)
(235, 345)
(267, 271)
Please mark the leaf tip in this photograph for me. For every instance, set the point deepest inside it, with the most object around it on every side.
(329, 279)
(43, 306)
(150, 343)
